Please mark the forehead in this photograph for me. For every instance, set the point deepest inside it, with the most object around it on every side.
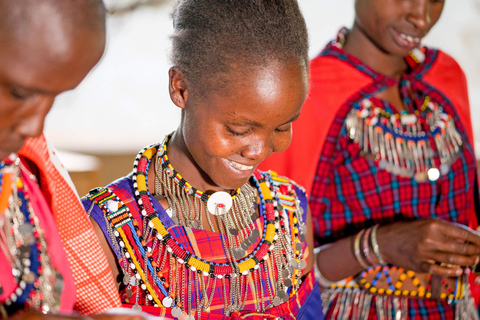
(263, 90)
(33, 62)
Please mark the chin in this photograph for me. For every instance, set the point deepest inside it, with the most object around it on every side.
(231, 184)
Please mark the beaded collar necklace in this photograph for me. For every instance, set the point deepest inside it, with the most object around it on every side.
(285, 251)
(421, 144)
(22, 241)
(196, 264)
(172, 173)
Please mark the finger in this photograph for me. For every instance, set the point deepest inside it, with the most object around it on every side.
(477, 280)
(454, 259)
(436, 269)
(459, 247)
(456, 231)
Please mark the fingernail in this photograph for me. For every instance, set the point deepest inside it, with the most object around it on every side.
(477, 260)
(459, 272)
(477, 280)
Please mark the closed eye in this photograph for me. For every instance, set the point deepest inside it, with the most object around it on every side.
(236, 132)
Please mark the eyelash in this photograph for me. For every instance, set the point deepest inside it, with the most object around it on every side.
(236, 133)
(17, 95)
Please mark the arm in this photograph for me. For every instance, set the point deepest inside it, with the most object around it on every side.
(112, 260)
(310, 245)
(420, 246)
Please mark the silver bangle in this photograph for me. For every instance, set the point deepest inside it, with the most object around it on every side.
(324, 282)
(357, 252)
(376, 249)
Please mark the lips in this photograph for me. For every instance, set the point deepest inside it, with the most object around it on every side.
(407, 41)
(238, 166)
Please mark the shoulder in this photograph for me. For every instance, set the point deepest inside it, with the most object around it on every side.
(289, 190)
(119, 189)
(445, 66)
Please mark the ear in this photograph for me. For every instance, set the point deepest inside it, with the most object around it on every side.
(178, 87)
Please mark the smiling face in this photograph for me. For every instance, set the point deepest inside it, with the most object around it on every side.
(37, 66)
(226, 134)
(397, 26)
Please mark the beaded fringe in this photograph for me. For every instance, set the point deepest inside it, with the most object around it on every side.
(356, 304)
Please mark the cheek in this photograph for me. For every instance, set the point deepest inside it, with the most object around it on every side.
(282, 141)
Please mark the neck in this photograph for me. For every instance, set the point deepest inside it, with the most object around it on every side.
(183, 162)
(361, 46)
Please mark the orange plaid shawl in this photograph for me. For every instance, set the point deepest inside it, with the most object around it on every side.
(95, 288)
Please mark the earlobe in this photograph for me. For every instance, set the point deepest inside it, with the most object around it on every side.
(178, 87)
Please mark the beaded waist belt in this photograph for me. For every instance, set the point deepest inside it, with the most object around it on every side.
(392, 287)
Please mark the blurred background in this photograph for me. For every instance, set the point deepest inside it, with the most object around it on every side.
(124, 105)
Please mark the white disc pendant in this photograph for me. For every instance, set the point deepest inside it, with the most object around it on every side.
(433, 174)
(167, 302)
(219, 203)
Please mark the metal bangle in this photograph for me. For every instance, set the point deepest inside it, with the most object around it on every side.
(358, 253)
(324, 282)
(376, 248)
(366, 248)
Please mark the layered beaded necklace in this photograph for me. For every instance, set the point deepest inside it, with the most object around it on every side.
(22, 241)
(407, 143)
(278, 249)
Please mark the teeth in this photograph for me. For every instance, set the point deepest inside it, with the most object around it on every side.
(410, 38)
(239, 166)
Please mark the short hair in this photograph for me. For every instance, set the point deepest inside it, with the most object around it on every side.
(210, 35)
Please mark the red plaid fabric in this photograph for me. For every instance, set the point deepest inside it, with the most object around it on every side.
(351, 193)
(208, 246)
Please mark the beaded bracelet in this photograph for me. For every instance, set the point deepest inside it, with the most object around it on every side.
(356, 248)
(376, 249)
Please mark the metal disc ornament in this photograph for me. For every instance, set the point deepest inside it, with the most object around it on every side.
(295, 264)
(420, 176)
(26, 228)
(303, 264)
(255, 233)
(219, 203)
(167, 302)
(287, 282)
(176, 312)
(277, 301)
(137, 307)
(245, 246)
(233, 232)
(238, 253)
(126, 279)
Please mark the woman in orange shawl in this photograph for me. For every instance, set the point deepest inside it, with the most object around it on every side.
(48, 263)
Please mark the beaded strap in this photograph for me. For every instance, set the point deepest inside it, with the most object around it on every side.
(190, 260)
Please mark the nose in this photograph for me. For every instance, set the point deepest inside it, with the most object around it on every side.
(262, 147)
(257, 150)
(31, 124)
(419, 14)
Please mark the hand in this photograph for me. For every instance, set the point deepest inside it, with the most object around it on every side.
(432, 245)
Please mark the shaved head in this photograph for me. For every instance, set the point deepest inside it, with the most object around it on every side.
(20, 17)
(47, 47)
